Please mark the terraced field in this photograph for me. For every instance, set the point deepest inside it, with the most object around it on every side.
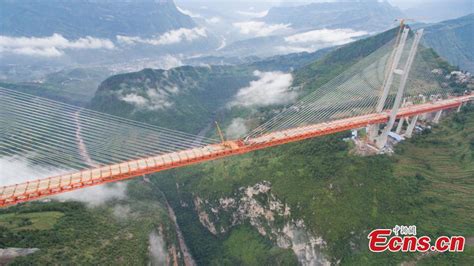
(30, 221)
(445, 160)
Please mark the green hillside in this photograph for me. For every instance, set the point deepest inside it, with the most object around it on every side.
(453, 40)
(315, 195)
(114, 233)
(185, 98)
(189, 98)
(341, 197)
(314, 75)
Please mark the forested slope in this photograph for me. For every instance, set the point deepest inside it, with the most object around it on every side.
(339, 196)
(307, 202)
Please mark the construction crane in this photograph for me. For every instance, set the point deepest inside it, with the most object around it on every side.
(402, 21)
(402, 26)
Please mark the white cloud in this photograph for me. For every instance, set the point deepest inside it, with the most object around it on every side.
(293, 49)
(325, 36)
(131, 40)
(135, 99)
(213, 20)
(253, 13)
(157, 249)
(223, 44)
(52, 46)
(154, 99)
(17, 170)
(168, 62)
(259, 28)
(159, 99)
(271, 88)
(237, 128)
(96, 195)
(188, 13)
(170, 37)
(163, 62)
(121, 212)
(31, 51)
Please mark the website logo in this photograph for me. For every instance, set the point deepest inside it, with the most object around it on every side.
(404, 239)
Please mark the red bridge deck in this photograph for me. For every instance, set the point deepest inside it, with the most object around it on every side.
(32, 190)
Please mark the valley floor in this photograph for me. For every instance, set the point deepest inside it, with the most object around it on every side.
(265, 207)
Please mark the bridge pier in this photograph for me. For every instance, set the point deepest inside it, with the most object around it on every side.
(437, 116)
(411, 126)
(120, 170)
(401, 121)
(372, 132)
(400, 125)
(423, 116)
(381, 141)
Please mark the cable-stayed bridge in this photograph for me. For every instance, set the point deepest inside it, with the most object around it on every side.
(72, 148)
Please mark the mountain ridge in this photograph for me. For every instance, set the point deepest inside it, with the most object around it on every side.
(453, 39)
(368, 15)
(80, 18)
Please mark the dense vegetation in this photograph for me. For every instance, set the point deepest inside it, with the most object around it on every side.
(241, 246)
(453, 40)
(339, 195)
(188, 98)
(185, 98)
(113, 233)
(342, 196)
(322, 71)
(290, 62)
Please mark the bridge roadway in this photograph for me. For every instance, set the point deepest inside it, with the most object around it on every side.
(13, 194)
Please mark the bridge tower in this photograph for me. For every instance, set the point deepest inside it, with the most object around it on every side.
(381, 140)
(387, 84)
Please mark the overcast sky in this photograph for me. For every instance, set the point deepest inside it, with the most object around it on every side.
(403, 4)
(421, 10)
